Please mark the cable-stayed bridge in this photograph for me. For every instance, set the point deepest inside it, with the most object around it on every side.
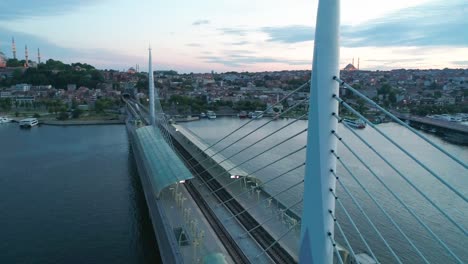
(339, 196)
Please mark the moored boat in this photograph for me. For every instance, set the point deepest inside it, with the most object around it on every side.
(242, 114)
(257, 114)
(5, 120)
(211, 115)
(28, 122)
(354, 123)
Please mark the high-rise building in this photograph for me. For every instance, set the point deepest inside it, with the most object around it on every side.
(38, 56)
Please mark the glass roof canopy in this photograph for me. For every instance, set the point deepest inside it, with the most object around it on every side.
(226, 164)
(163, 166)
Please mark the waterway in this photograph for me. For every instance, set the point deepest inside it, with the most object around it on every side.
(213, 130)
(71, 195)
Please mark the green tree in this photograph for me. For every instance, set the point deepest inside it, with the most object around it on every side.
(62, 116)
(76, 113)
(392, 98)
(5, 104)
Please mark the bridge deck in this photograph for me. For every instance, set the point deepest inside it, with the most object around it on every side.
(279, 224)
(201, 232)
(169, 206)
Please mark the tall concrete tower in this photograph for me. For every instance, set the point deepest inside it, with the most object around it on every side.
(38, 56)
(26, 57)
(13, 47)
(151, 89)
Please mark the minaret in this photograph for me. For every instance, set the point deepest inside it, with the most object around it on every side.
(38, 56)
(151, 89)
(358, 64)
(26, 56)
(353, 62)
(13, 47)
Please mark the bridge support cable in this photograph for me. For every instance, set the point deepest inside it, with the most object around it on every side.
(353, 223)
(335, 249)
(342, 234)
(256, 142)
(266, 110)
(397, 120)
(347, 106)
(263, 183)
(426, 197)
(365, 215)
(257, 170)
(428, 229)
(264, 200)
(373, 198)
(254, 130)
(261, 153)
(268, 219)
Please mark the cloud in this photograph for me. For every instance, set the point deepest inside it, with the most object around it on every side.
(194, 45)
(13, 9)
(289, 34)
(201, 22)
(237, 60)
(441, 23)
(239, 43)
(234, 31)
(461, 63)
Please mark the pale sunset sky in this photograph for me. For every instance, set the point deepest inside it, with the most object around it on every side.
(235, 35)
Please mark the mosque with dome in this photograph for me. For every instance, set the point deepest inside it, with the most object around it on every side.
(27, 63)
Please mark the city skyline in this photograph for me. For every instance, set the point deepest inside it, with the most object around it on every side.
(237, 36)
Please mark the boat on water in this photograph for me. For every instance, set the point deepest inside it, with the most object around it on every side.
(28, 122)
(354, 123)
(211, 115)
(256, 115)
(185, 118)
(242, 114)
(5, 120)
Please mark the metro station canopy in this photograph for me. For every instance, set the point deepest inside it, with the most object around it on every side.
(164, 167)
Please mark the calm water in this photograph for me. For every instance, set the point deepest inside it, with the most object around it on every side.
(71, 195)
(212, 130)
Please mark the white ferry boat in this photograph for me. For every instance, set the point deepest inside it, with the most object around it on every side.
(5, 120)
(211, 115)
(28, 122)
(356, 123)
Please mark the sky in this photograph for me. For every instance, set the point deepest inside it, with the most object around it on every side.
(235, 35)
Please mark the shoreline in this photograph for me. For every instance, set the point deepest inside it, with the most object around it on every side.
(81, 123)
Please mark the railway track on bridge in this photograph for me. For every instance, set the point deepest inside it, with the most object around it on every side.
(276, 252)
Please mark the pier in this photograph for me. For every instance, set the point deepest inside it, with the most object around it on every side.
(450, 131)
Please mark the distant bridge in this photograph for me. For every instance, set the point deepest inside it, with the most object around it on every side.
(451, 131)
